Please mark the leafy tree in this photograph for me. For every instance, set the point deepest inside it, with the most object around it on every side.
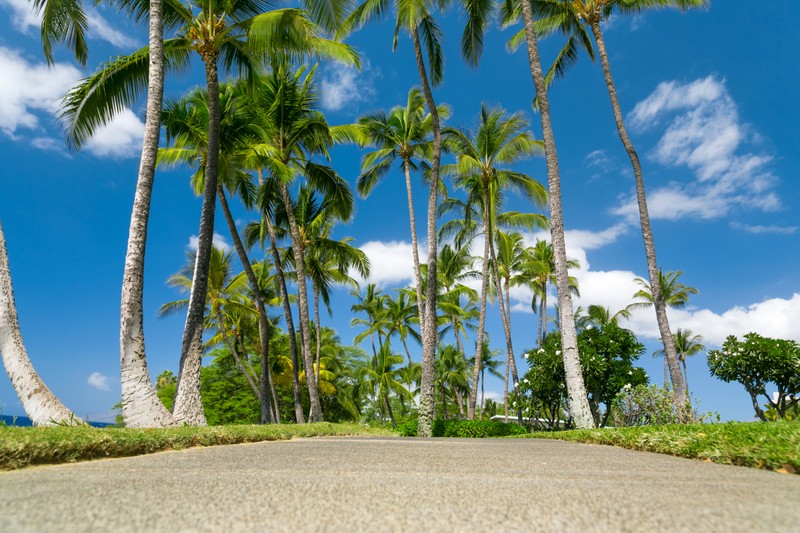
(756, 361)
(543, 385)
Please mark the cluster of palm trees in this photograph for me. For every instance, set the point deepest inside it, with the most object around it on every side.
(261, 138)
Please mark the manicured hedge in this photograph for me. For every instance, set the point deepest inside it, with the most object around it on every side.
(464, 428)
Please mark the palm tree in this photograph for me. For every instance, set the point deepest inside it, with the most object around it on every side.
(381, 377)
(403, 134)
(230, 31)
(500, 140)
(455, 267)
(371, 303)
(578, 399)
(490, 361)
(687, 345)
(451, 373)
(569, 18)
(602, 316)
(398, 314)
(40, 404)
(674, 293)
(416, 18)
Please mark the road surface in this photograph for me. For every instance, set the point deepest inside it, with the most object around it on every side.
(394, 484)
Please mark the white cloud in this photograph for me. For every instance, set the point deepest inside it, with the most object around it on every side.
(704, 133)
(342, 86)
(99, 381)
(782, 230)
(391, 262)
(218, 241)
(121, 138)
(50, 144)
(30, 90)
(24, 19)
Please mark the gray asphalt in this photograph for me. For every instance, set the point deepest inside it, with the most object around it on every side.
(384, 484)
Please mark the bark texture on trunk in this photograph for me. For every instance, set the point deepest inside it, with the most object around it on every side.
(315, 411)
(414, 250)
(429, 332)
(40, 404)
(263, 320)
(576, 388)
(141, 407)
(670, 351)
(482, 314)
(188, 402)
(317, 332)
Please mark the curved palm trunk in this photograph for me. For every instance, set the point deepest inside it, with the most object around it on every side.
(483, 377)
(287, 312)
(188, 402)
(429, 332)
(670, 352)
(685, 376)
(414, 251)
(543, 316)
(578, 402)
(140, 404)
(459, 344)
(481, 316)
(40, 404)
(315, 411)
(238, 360)
(263, 320)
(405, 347)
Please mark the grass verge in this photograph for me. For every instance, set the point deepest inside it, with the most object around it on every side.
(21, 447)
(769, 446)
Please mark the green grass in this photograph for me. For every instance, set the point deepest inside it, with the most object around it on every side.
(21, 447)
(770, 446)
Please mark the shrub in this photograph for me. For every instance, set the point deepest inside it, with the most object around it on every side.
(652, 406)
(464, 429)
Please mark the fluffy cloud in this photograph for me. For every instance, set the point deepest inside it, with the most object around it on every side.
(99, 381)
(29, 90)
(704, 133)
(342, 85)
(392, 263)
(218, 241)
(781, 230)
(25, 19)
(121, 138)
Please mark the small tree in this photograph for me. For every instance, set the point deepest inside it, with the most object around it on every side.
(756, 361)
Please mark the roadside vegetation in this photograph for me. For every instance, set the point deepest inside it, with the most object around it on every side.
(22, 447)
(769, 446)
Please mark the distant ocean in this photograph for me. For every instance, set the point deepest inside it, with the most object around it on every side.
(24, 421)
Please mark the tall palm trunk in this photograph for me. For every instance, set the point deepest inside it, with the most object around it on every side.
(482, 391)
(429, 332)
(459, 344)
(236, 359)
(685, 375)
(317, 331)
(40, 404)
(670, 351)
(263, 320)
(505, 318)
(141, 406)
(482, 313)
(315, 411)
(578, 402)
(414, 250)
(188, 402)
(287, 312)
(543, 316)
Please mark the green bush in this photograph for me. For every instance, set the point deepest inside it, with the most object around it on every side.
(464, 429)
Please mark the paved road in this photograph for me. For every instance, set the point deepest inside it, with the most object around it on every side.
(383, 484)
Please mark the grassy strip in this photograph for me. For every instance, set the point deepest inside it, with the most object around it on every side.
(21, 447)
(770, 446)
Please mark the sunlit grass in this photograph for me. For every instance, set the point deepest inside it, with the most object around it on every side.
(771, 446)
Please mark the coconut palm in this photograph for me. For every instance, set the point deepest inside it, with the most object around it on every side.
(570, 18)
(417, 19)
(490, 360)
(687, 345)
(674, 293)
(483, 157)
(40, 404)
(403, 134)
(452, 375)
(455, 268)
(381, 378)
(230, 31)
(602, 316)
(399, 314)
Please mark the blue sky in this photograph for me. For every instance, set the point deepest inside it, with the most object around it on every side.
(708, 97)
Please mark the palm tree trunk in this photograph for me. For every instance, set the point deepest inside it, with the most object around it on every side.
(188, 404)
(685, 377)
(405, 347)
(140, 404)
(429, 332)
(483, 377)
(481, 315)
(317, 331)
(460, 402)
(459, 344)
(287, 313)
(389, 410)
(315, 410)
(238, 360)
(670, 352)
(578, 402)
(414, 251)
(40, 404)
(543, 317)
(263, 320)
